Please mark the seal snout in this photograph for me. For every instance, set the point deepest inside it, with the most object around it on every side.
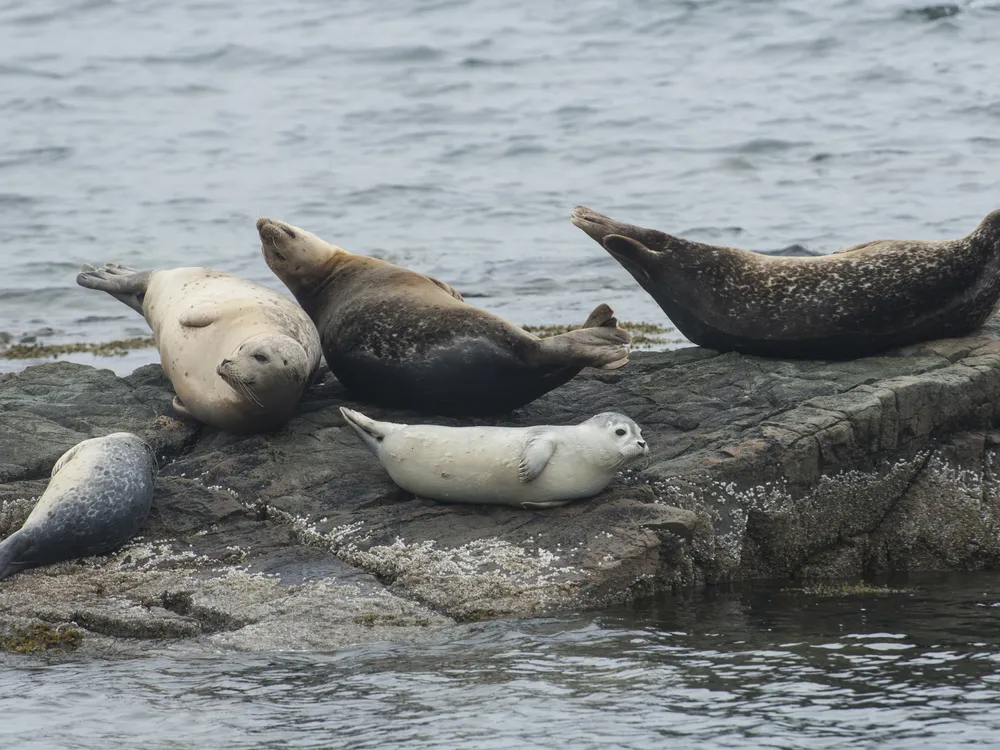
(272, 229)
(596, 225)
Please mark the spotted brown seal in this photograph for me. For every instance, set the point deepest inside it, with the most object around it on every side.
(855, 302)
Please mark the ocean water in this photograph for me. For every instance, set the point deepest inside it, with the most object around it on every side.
(756, 667)
(454, 137)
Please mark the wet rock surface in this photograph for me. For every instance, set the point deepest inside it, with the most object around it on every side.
(298, 539)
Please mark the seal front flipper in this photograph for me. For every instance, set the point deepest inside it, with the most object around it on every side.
(630, 253)
(121, 282)
(545, 505)
(448, 288)
(200, 316)
(182, 410)
(535, 457)
(65, 458)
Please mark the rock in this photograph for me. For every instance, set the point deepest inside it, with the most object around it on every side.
(298, 539)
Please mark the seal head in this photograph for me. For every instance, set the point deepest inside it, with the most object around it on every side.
(268, 368)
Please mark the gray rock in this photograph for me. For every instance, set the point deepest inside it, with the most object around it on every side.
(298, 539)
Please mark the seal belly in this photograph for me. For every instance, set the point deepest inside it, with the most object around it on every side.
(461, 377)
(960, 318)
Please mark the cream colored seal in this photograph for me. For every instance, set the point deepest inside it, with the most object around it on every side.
(403, 339)
(527, 467)
(239, 355)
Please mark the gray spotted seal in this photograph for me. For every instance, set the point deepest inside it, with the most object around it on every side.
(238, 354)
(527, 467)
(403, 339)
(855, 302)
(99, 494)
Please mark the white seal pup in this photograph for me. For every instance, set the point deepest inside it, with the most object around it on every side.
(527, 467)
(238, 354)
(400, 338)
(99, 494)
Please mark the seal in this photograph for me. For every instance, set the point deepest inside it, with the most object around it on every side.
(238, 354)
(526, 467)
(858, 301)
(399, 338)
(99, 494)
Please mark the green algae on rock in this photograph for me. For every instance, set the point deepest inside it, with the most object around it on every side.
(52, 351)
(834, 589)
(39, 637)
(644, 335)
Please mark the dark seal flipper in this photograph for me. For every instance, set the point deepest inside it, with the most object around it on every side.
(121, 282)
(601, 343)
(15, 554)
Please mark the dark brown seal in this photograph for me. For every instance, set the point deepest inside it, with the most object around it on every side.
(855, 302)
(403, 339)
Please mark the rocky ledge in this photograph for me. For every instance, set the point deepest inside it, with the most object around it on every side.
(298, 539)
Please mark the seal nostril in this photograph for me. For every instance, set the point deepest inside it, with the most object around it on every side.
(289, 232)
(225, 362)
(642, 443)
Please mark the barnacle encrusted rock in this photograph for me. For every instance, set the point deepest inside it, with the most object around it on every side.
(298, 539)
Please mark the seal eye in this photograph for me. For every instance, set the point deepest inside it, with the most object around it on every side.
(620, 432)
(260, 357)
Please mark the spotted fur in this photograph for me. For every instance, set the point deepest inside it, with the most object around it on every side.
(99, 495)
(857, 301)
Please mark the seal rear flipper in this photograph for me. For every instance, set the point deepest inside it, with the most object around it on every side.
(585, 347)
(447, 287)
(15, 554)
(121, 282)
(602, 316)
(371, 432)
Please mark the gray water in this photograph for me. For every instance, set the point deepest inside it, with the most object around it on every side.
(454, 137)
(757, 667)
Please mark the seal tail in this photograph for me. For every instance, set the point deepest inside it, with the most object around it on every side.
(600, 343)
(14, 554)
(121, 282)
(371, 432)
